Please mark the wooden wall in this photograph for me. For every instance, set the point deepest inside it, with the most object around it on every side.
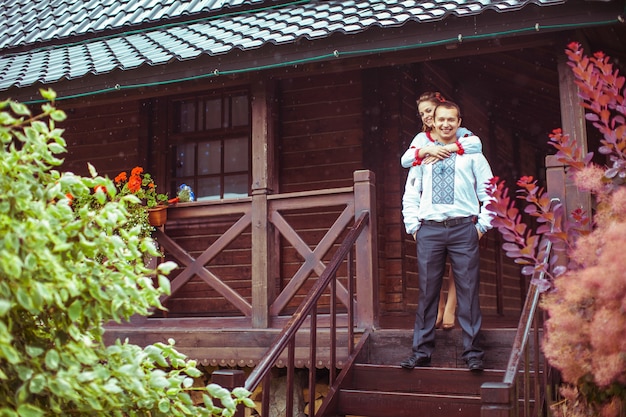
(320, 146)
(107, 136)
(320, 131)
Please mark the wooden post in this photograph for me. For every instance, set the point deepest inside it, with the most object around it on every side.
(573, 124)
(230, 379)
(366, 252)
(498, 400)
(263, 256)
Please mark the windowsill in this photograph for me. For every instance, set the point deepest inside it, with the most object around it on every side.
(211, 202)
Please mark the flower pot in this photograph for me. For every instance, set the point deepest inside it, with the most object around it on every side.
(157, 216)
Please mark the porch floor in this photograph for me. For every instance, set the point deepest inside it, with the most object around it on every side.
(402, 321)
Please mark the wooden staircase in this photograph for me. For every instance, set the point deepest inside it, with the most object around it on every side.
(376, 386)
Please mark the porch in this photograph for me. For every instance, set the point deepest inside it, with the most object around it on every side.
(228, 303)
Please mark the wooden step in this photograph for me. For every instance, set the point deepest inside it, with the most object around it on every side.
(431, 380)
(390, 347)
(385, 390)
(385, 404)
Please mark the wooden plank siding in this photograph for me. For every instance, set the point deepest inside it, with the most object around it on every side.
(107, 136)
(320, 131)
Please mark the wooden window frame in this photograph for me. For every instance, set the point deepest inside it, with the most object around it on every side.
(201, 134)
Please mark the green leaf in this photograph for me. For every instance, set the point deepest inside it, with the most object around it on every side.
(75, 310)
(19, 109)
(29, 410)
(56, 148)
(164, 405)
(240, 392)
(208, 402)
(5, 305)
(52, 359)
(37, 384)
(165, 284)
(228, 402)
(48, 94)
(34, 351)
(10, 354)
(248, 402)
(58, 115)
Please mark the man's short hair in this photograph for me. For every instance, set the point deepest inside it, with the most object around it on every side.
(448, 105)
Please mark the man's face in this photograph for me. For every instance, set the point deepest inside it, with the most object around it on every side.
(447, 122)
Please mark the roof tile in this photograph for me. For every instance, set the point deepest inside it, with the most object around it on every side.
(27, 22)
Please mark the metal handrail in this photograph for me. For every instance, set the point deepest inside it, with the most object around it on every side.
(308, 307)
(529, 319)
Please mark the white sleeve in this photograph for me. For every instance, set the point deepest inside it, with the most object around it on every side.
(417, 143)
(483, 174)
(411, 199)
(471, 144)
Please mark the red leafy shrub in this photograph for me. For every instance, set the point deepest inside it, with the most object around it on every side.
(585, 299)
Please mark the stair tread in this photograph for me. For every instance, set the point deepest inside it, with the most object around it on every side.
(423, 395)
(390, 347)
(393, 378)
(375, 404)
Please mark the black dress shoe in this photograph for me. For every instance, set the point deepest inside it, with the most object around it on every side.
(413, 361)
(475, 364)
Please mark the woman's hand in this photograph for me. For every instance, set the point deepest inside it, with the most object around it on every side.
(435, 153)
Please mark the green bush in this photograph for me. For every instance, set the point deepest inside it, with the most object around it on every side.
(63, 275)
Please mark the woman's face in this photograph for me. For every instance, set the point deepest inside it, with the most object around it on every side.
(425, 111)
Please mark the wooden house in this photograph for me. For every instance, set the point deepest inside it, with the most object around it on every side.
(288, 120)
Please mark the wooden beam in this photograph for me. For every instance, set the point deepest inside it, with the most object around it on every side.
(263, 255)
(574, 125)
(366, 252)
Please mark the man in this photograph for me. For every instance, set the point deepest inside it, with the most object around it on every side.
(442, 210)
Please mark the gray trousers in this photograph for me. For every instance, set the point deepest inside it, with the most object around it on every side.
(434, 244)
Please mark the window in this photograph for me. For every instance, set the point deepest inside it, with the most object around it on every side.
(210, 144)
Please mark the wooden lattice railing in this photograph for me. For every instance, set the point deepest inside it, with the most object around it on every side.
(262, 218)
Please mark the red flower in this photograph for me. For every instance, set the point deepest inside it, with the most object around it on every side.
(121, 177)
(141, 185)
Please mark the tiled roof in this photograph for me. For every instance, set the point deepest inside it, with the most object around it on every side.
(27, 22)
(24, 22)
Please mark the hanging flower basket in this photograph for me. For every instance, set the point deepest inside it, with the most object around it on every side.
(157, 216)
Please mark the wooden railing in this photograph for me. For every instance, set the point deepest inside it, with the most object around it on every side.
(308, 310)
(258, 222)
(526, 392)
